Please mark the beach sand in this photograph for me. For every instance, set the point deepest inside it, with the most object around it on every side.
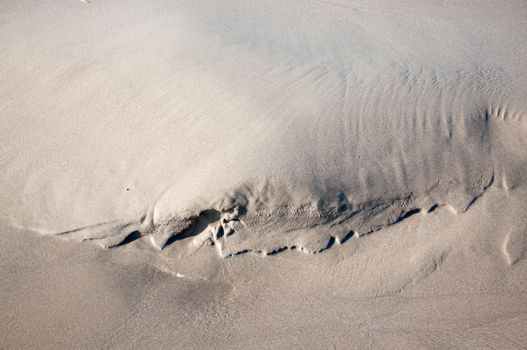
(263, 174)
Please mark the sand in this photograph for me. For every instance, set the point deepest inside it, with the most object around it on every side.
(263, 174)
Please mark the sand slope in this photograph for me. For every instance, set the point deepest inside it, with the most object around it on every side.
(178, 132)
(284, 123)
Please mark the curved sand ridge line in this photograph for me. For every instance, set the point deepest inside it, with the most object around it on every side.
(255, 126)
(262, 218)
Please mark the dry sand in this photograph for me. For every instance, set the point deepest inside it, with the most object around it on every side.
(263, 174)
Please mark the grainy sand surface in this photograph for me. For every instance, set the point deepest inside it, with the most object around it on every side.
(263, 174)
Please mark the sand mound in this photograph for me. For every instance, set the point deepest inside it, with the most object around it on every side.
(256, 126)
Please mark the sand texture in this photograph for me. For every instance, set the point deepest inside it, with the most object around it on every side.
(263, 174)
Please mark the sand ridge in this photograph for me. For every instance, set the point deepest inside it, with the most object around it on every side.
(303, 137)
